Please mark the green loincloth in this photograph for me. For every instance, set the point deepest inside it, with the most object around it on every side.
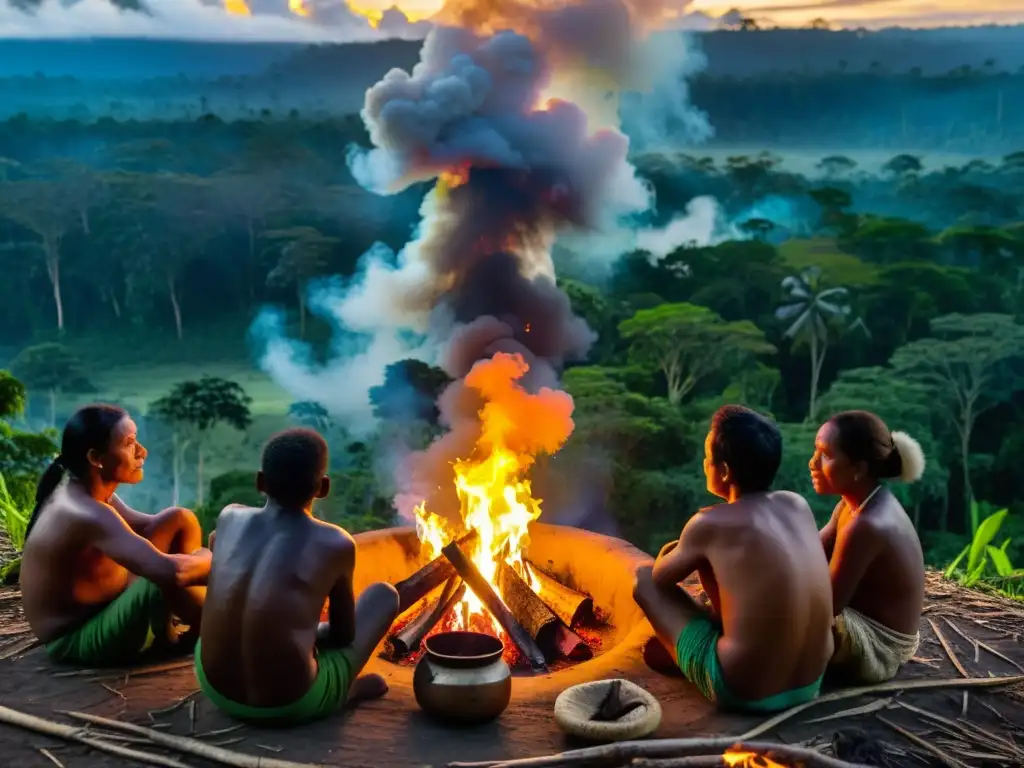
(697, 652)
(325, 696)
(120, 633)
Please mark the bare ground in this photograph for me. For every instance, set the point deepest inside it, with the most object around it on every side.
(978, 628)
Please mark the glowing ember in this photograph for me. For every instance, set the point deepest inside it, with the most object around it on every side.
(494, 494)
(237, 7)
(738, 758)
(299, 8)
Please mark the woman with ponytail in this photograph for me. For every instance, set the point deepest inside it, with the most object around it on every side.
(102, 583)
(874, 552)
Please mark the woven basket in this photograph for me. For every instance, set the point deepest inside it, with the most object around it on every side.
(575, 707)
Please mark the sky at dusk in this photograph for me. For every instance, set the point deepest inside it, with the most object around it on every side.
(332, 20)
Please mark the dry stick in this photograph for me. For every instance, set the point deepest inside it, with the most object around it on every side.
(998, 655)
(952, 762)
(667, 747)
(193, 746)
(552, 635)
(948, 648)
(70, 733)
(971, 731)
(570, 606)
(965, 636)
(49, 756)
(867, 709)
(476, 582)
(175, 706)
(19, 648)
(108, 673)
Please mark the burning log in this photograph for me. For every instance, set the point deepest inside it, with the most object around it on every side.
(570, 606)
(429, 577)
(476, 582)
(551, 634)
(408, 639)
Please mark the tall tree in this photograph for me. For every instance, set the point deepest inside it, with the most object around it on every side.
(302, 256)
(814, 315)
(966, 364)
(193, 409)
(51, 368)
(689, 343)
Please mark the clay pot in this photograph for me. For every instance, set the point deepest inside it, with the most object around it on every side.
(462, 679)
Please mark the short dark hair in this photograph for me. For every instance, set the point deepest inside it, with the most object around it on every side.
(294, 462)
(863, 436)
(749, 443)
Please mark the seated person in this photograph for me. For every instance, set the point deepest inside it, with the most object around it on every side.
(263, 656)
(101, 583)
(874, 551)
(765, 641)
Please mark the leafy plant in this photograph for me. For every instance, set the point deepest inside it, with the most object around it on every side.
(980, 561)
(13, 520)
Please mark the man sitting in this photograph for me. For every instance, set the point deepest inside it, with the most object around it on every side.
(764, 644)
(101, 583)
(262, 656)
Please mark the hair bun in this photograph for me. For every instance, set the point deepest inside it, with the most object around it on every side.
(912, 461)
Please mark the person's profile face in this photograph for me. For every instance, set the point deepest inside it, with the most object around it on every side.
(125, 456)
(713, 472)
(832, 472)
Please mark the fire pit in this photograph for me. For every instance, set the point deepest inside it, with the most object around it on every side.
(585, 581)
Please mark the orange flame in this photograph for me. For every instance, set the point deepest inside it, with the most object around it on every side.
(237, 7)
(299, 8)
(494, 495)
(735, 757)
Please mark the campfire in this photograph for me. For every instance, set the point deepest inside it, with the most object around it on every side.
(479, 576)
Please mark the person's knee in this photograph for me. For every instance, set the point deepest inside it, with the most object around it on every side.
(384, 595)
(179, 517)
(643, 584)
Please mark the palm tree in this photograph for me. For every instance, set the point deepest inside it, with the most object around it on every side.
(814, 314)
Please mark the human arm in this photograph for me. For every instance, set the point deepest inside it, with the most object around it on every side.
(108, 532)
(342, 599)
(828, 533)
(675, 564)
(137, 521)
(856, 548)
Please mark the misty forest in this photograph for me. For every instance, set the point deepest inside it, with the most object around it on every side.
(851, 237)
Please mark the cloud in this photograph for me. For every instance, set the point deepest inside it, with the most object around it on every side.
(185, 19)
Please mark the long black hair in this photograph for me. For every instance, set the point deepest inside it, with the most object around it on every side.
(88, 429)
(863, 436)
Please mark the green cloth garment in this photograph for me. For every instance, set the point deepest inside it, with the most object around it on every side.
(697, 652)
(120, 633)
(325, 696)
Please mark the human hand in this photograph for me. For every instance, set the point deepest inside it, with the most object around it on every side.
(194, 568)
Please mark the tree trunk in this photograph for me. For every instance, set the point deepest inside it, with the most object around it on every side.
(173, 293)
(199, 474)
(176, 469)
(51, 250)
(817, 360)
(251, 232)
(965, 447)
(53, 407)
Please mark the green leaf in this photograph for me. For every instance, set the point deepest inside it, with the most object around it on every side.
(951, 569)
(986, 532)
(1001, 562)
(975, 575)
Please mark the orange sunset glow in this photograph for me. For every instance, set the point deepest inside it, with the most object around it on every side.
(791, 13)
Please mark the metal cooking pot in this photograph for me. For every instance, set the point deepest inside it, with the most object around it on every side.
(461, 678)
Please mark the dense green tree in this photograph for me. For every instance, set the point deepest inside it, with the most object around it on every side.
(688, 343)
(53, 369)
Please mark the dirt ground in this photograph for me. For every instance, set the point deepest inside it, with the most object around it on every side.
(984, 635)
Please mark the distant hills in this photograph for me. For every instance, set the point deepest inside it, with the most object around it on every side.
(729, 53)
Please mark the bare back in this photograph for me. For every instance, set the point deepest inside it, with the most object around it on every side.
(273, 569)
(891, 589)
(65, 578)
(771, 591)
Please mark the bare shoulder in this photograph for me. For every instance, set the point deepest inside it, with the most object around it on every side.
(789, 499)
(334, 537)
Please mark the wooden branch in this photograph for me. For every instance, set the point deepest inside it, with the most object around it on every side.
(408, 639)
(788, 754)
(429, 577)
(551, 634)
(192, 746)
(469, 573)
(570, 606)
(71, 733)
(670, 747)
